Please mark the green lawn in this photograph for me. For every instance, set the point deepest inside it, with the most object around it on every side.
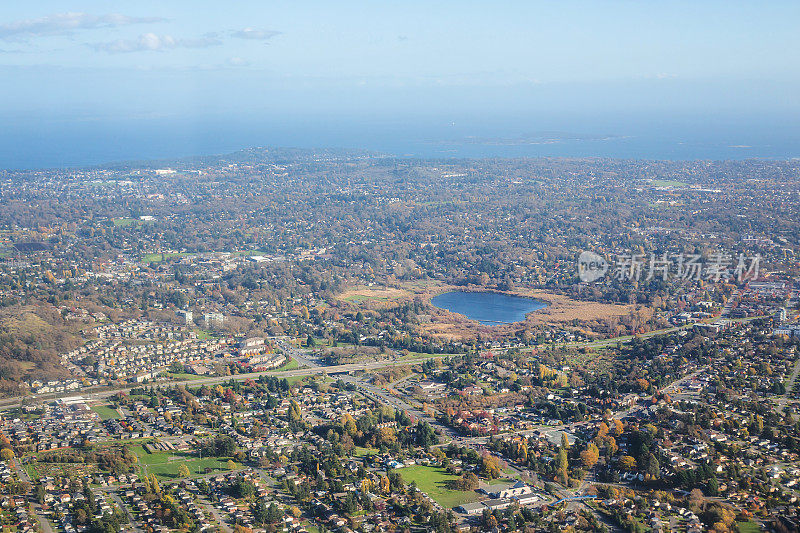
(433, 482)
(106, 412)
(297, 379)
(165, 464)
(359, 298)
(748, 527)
(361, 452)
(157, 258)
(203, 334)
(122, 222)
(291, 364)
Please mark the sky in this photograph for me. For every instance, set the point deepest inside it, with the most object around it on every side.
(100, 61)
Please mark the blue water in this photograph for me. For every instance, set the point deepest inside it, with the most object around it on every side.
(48, 142)
(488, 308)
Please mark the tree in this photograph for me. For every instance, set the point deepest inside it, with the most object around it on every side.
(349, 424)
(425, 435)
(562, 462)
(713, 486)
(590, 456)
(230, 464)
(384, 485)
(219, 446)
(490, 466)
(7, 454)
(627, 463)
(274, 513)
(489, 520)
(653, 468)
(696, 499)
(395, 481)
(467, 481)
(260, 511)
(295, 414)
(243, 488)
(183, 471)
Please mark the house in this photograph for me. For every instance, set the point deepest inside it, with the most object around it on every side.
(471, 508)
(497, 503)
(507, 490)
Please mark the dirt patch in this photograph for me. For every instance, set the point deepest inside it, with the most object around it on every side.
(563, 309)
(374, 296)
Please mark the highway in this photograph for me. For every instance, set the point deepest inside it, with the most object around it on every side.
(312, 368)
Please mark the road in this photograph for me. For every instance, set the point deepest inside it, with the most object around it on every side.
(303, 359)
(209, 508)
(312, 367)
(381, 396)
(787, 396)
(679, 383)
(14, 401)
(23, 476)
(114, 494)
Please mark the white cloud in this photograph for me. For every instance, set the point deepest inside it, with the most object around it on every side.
(237, 62)
(67, 23)
(257, 35)
(150, 42)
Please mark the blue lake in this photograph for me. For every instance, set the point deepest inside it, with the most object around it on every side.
(488, 308)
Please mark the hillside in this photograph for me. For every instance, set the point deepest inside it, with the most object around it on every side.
(31, 339)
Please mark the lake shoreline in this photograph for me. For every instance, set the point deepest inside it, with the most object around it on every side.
(508, 308)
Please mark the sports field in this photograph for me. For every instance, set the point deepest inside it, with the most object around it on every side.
(106, 412)
(433, 482)
(165, 465)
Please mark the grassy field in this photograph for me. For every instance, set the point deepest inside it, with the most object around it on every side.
(37, 470)
(433, 482)
(106, 412)
(291, 364)
(748, 527)
(203, 335)
(380, 295)
(165, 464)
(361, 452)
(157, 258)
(122, 222)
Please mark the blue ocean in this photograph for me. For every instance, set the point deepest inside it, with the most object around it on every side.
(74, 143)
